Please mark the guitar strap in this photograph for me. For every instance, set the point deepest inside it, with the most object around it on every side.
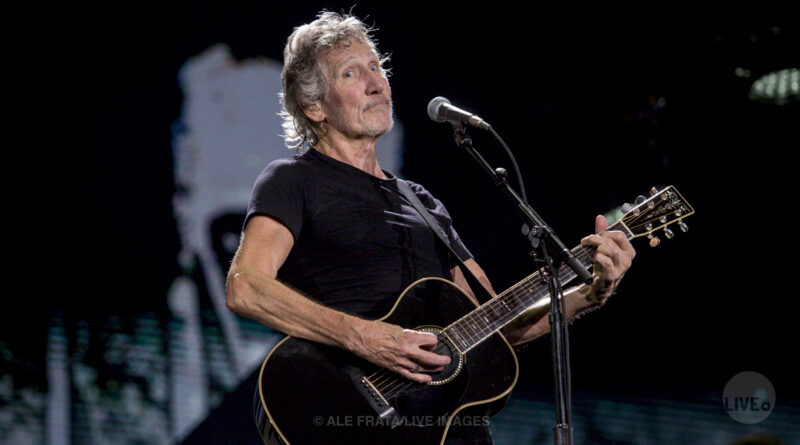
(481, 293)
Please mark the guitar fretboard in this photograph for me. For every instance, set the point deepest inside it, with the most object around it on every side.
(473, 328)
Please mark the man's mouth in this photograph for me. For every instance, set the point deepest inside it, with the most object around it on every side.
(382, 102)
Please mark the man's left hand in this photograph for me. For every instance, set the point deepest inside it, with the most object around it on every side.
(611, 260)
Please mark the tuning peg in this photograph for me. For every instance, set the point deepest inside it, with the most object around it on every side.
(683, 226)
(640, 199)
(653, 191)
(654, 241)
(668, 233)
(627, 207)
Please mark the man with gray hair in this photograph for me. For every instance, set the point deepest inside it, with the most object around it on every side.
(330, 241)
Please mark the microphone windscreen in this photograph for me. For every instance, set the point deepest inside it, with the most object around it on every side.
(433, 108)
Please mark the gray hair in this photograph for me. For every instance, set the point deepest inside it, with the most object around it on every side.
(302, 76)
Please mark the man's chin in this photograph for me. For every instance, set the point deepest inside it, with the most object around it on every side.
(382, 129)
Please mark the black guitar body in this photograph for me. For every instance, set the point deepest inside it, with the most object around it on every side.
(310, 393)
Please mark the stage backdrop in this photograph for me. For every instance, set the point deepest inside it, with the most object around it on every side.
(162, 117)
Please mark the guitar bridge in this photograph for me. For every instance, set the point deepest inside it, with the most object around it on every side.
(377, 402)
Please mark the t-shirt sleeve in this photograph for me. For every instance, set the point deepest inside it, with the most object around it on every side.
(279, 192)
(438, 210)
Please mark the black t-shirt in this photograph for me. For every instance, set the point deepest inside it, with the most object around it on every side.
(357, 242)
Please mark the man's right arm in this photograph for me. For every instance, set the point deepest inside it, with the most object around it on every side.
(254, 292)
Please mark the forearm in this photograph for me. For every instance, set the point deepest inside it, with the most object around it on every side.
(536, 323)
(255, 295)
(258, 296)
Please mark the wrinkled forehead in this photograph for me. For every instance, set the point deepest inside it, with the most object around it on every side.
(345, 49)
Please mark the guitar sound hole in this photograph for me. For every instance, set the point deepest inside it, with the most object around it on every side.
(443, 392)
(445, 347)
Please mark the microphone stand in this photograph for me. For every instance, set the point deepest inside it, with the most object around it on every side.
(541, 237)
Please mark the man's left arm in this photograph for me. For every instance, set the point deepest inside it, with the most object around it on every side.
(612, 259)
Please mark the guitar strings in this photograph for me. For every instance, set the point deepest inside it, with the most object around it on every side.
(384, 372)
(382, 385)
(499, 303)
(390, 384)
(512, 296)
(473, 320)
(396, 384)
(388, 389)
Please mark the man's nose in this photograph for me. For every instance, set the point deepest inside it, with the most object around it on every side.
(375, 83)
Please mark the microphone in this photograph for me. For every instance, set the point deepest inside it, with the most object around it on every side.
(440, 110)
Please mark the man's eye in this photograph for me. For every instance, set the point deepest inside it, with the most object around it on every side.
(373, 68)
(349, 74)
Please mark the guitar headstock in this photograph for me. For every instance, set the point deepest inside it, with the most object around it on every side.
(658, 211)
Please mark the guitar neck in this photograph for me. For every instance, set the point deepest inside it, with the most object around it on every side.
(473, 328)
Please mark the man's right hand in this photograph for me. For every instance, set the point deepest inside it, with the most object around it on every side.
(404, 351)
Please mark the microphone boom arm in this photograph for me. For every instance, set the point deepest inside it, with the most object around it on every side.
(561, 252)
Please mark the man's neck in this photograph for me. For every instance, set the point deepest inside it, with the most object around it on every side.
(360, 154)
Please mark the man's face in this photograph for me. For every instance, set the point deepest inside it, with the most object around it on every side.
(359, 98)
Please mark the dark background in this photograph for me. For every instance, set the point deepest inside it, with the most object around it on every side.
(573, 94)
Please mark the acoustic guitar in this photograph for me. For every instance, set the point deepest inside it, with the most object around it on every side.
(309, 393)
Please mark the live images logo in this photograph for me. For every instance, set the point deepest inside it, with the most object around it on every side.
(749, 397)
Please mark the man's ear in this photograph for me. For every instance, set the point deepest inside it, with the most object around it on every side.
(314, 112)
